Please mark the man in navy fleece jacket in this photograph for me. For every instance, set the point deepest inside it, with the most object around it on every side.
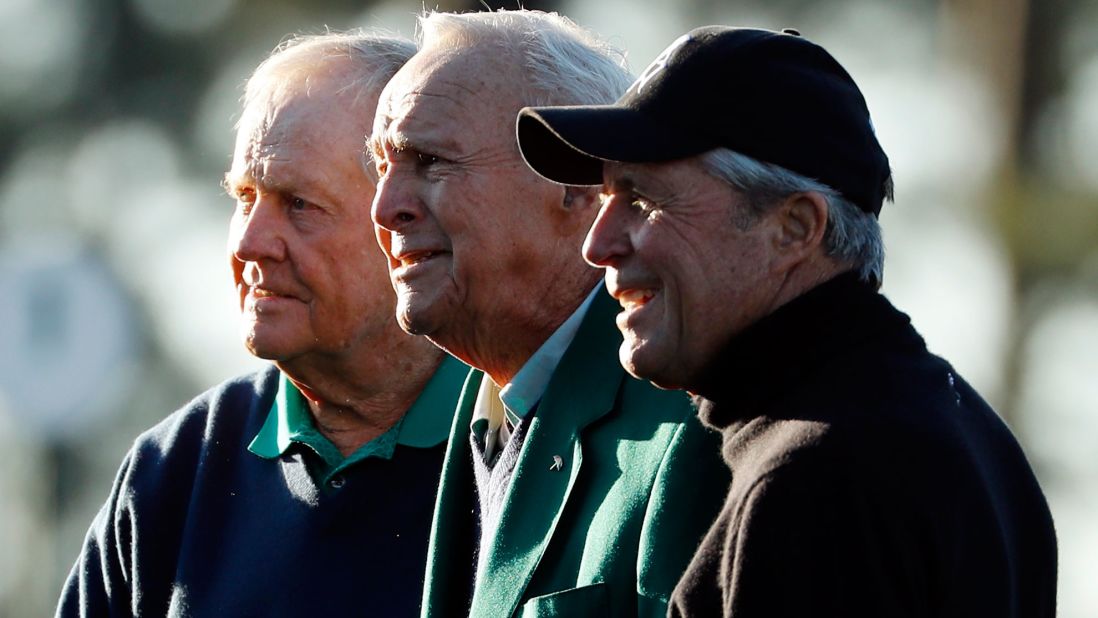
(306, 488)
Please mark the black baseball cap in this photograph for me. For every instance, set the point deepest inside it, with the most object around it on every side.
(773, 96)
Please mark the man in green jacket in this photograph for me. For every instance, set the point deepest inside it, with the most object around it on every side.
(569, 488)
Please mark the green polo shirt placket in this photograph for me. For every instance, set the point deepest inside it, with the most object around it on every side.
(425, 424)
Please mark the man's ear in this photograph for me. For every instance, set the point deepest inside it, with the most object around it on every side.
(801, 222)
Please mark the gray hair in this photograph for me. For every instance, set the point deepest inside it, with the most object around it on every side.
(374, 56)
(852, 236)
(564, 64)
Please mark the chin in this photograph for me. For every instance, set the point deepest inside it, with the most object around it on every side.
(417, 316)
(411, 322)
(632, 359)
(257, 349)
(262, 349)
(262, 343)
(643, 363)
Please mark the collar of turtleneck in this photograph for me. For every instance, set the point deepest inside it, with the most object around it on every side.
(772, 355)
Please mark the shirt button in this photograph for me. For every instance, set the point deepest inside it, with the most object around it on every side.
(336, 482)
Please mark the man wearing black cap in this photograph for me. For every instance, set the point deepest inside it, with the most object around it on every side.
(742, 183)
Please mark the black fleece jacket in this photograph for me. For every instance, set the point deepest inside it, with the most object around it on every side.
(869, 479)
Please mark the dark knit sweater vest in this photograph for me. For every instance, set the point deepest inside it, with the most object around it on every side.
(493, 479)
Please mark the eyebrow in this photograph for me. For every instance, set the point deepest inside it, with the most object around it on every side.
(267, 182)
(397, 139)
(422, 135)
(231, 180)
(366, 159)
(370, 145)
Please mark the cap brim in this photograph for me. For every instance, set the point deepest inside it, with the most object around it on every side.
(568, 145)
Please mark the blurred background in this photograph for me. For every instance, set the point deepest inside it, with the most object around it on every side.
(116, 305)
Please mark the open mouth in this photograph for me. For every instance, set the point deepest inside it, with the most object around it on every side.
(634, 299)
(264, 293)
(264, 300)
(418, 257)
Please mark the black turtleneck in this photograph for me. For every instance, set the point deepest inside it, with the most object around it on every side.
(869, 479)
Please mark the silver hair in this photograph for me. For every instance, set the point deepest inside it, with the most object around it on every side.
(564, 64)
(375, 57)
(852, 236)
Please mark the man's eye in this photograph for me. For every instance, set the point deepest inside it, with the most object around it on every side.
(423, 158)
(296, 203)
(244, 198)
(641, 204)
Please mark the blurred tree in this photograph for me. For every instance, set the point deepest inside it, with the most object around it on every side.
(1048, 230)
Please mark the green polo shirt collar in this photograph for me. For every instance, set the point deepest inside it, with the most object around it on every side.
(425, 424)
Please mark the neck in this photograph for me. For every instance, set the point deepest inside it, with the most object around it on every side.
(804, 277)
(502, 348)
(503, 352)
(777, 348)
(358, 395)
(786, 287)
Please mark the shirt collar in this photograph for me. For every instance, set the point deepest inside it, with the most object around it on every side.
(523, 392)
(425, 424)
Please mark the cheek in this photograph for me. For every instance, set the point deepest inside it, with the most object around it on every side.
(473, 233)
(359, 269)
(497, 228)
(371, 284)
(698, 287)
(522, 259)
(732, 295)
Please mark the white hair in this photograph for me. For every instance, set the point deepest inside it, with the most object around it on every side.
(374, 59)
(852, 236)
(564, 64)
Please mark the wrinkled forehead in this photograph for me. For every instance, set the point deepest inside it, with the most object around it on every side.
(446, 84)
(315, 116)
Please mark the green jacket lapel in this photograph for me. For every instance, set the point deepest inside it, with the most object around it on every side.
(452, 550)
(583, 389)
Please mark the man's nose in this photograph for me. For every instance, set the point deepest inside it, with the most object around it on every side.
(258, 235)
(608, 239)
(395, 204)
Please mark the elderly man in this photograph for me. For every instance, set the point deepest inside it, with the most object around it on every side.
(307, 488)
(573, 490)
(742, 182)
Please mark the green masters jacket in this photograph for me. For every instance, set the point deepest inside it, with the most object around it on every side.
(615, 486)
